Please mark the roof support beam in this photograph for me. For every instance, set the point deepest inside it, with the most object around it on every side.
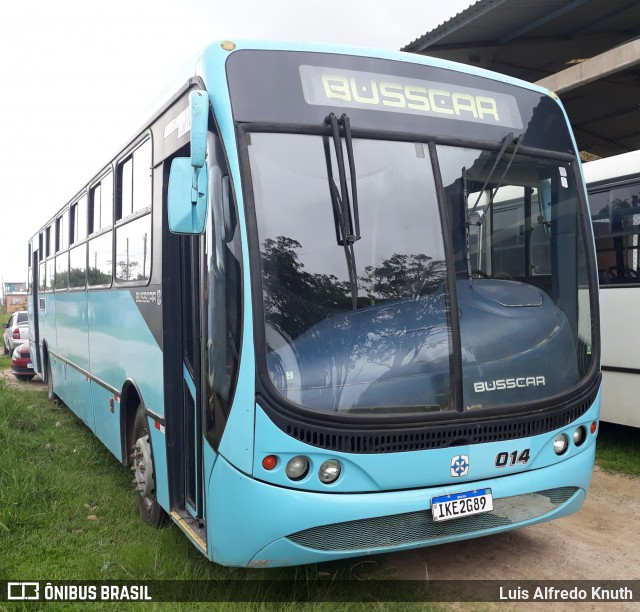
(615, 60)
(594, 25)
(538, 22)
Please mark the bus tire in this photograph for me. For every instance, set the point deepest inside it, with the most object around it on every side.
(51, 396)
(142, 468)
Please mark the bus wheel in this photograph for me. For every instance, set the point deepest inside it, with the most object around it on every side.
(143, 471)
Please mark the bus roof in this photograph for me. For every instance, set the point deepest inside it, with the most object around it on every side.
(615, 167)
(215, 48)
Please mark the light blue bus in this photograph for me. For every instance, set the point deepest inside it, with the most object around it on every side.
(331, 302)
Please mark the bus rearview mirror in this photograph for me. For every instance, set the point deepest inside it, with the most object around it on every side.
(187, 206)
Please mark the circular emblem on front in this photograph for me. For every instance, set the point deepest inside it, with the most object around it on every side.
(459, 466)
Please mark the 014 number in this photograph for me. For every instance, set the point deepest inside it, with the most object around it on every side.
(504, 459)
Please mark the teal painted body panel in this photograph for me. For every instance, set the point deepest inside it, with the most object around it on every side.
(47, 317)
(74, 390)
(282, 551)
(209, 459)
(72, 343)
(72, 331)
(107, 419)
(252, 532)
(122, 347)
(159, 445)
(104, 334)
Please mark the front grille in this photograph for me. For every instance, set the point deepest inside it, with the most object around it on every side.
(416, 527)
(431, 435)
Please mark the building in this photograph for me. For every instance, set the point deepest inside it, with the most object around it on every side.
(15, 296)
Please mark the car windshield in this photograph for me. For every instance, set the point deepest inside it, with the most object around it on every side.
(22, 317)
(365, 326)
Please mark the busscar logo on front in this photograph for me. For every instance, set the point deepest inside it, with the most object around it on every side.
(502, 384)
(338, 87)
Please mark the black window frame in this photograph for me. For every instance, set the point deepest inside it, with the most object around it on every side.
(121, 220)
(608, 186)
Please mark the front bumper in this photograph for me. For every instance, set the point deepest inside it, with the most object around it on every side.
(22, 371)
(14, 343)
(21, 367)
(260, 525)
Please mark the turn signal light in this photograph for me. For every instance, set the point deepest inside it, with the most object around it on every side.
(269, 462)
(593, 427)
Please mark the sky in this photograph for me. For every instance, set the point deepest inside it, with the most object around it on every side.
(78, 79)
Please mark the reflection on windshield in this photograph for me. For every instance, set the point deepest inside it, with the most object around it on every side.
(323, 356)
(527, 256)
(382, 343)
(295, 300)
(392, 352)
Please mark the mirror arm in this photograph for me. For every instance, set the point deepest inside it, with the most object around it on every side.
(194, 186)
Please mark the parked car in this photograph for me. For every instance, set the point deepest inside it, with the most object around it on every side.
(21, 364)
(16, 332)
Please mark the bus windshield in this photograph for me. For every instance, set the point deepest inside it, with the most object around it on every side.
(369, 328)
(517, 230)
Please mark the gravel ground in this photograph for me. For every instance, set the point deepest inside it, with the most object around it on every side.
(600, 542)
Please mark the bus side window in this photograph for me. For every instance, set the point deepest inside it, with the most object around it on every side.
(223, 291)
(615, 215)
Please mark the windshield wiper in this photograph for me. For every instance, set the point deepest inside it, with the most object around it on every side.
(347, 226)
(469, 220)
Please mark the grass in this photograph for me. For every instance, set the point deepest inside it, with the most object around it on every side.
(54, 474)
(618, 449)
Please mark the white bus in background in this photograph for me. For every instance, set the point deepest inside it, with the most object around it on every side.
(613, 185)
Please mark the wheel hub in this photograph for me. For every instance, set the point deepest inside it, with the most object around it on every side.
(143, 469)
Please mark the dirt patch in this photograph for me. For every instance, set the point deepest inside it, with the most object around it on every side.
(35, 384)
(600, 542)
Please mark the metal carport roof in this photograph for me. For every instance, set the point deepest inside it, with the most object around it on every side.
(584, 49)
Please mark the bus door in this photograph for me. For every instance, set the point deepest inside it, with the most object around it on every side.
(35, 309)
(191, 366)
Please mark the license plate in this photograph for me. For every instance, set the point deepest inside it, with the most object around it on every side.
(30, 365)
(456, 505)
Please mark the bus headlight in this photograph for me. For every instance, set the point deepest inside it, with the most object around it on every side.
(297, 467)
(579, 435)
(560, 444)
(329, 471)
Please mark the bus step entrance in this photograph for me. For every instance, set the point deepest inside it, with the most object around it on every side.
(194, 528)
